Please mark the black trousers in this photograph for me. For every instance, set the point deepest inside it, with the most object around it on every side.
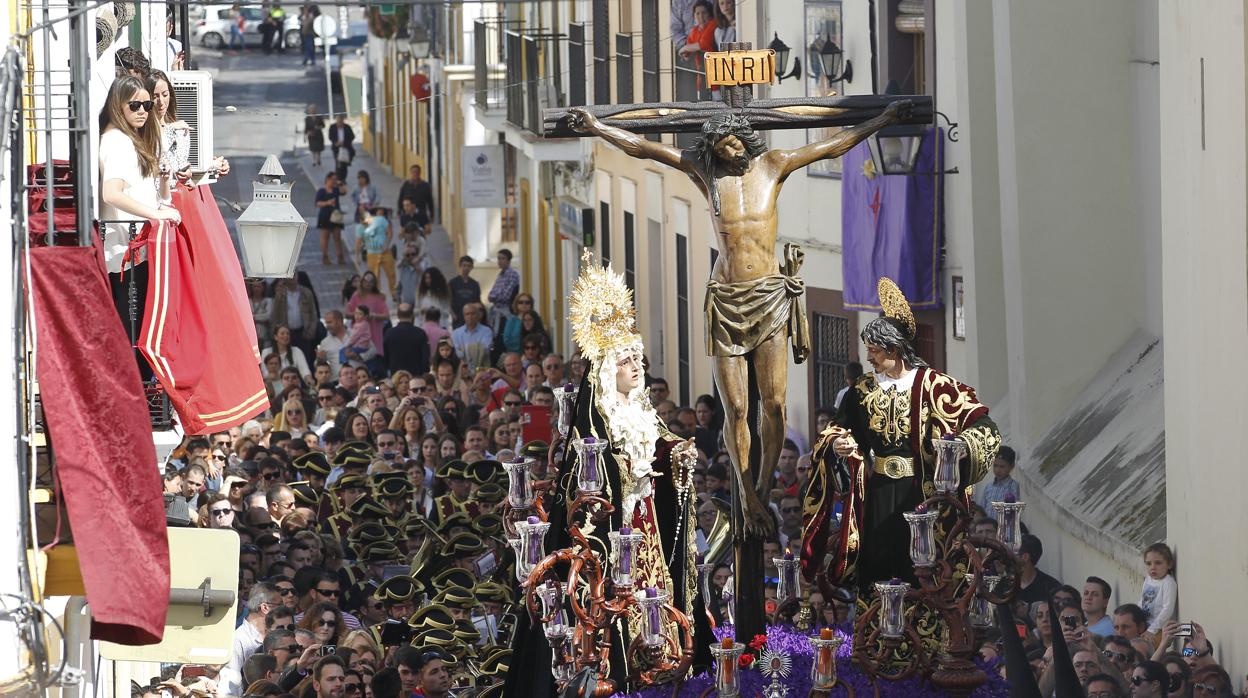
(127, 286)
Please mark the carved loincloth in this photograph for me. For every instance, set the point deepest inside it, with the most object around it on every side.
(740, 316)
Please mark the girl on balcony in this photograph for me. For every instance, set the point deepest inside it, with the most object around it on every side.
(131, 188)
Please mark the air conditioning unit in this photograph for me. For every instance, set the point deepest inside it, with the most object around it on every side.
(193, 91)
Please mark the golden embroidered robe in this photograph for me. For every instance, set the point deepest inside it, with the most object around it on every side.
(872, 540)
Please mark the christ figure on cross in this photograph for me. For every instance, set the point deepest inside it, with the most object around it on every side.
(754, 304)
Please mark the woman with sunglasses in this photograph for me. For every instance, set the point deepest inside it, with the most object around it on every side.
(292, 419)
(324, 620)
(513, 331)
(131, 187)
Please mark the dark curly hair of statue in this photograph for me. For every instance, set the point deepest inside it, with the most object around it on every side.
(891, 335)
(715, 130)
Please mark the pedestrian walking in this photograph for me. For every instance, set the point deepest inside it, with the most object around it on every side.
(268, 27)
(329, 217)
(237, 23)
(307, 34)
(313, 132)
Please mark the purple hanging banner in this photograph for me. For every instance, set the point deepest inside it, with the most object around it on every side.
(892, 226)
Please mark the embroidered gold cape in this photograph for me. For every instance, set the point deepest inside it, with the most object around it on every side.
(936, 405)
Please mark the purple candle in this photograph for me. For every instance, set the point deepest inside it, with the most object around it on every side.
(591, 461)
(626, 551)
(535, 542)
(652, 612)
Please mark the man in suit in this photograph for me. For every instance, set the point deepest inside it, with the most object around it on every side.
(341, 136)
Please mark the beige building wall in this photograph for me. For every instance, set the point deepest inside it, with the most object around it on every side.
(1205, 280)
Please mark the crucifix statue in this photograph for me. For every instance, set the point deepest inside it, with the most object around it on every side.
(755, 303)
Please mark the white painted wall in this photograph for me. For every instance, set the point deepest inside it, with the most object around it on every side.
(1205, 284)
(1073, 260)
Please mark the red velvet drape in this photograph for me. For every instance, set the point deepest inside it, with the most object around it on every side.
(101, 436)
(198, 332)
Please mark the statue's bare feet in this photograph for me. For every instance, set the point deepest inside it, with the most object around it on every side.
(759, 522)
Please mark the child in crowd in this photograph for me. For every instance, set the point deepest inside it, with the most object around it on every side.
(1002, 483)
(1160, 591)
(359, 341)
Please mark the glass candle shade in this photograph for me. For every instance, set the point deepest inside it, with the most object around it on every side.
(551, 595)
(730, 600)
(725, 654)
(565, 399)
(704, 583)
(519, 482)
(651, 602)
(922, 536)
(949, 452)
(823, 664)
(589, 476)
(532, 544)
(1008, 516)
(982, 613)
(561, 655)
(517, 543)
(789, 586)
(892, 607)
(624, 544)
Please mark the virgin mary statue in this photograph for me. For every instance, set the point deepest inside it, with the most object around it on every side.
(648, 470)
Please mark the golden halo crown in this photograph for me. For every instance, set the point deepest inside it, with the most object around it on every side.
(601, 310)
(893, 303)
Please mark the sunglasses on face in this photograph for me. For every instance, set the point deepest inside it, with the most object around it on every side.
(511, 403)
(222, 512)
(328, 592)
(286, 591)
(219, 457)
(323, 398)
(1139, 680)
(327, 623)
(1116, 656)
(352, 688)
(136, 105)
(269, 476)
(237, 485)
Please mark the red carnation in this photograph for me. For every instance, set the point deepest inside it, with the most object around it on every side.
(745, 660)
(758, 642)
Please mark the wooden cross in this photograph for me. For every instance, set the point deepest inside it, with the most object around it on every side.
(735, 71)
(764, 114)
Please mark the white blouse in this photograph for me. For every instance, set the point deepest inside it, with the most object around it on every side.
(119, 160)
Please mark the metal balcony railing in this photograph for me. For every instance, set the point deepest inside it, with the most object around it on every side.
(534, 77)
(489, 64)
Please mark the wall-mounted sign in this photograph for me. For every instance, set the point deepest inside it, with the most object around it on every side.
(482, 183)
(740, 67)
(570, 219)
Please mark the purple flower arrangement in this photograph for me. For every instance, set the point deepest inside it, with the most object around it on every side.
(786, 640)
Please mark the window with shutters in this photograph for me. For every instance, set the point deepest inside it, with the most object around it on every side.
(576, 64)
(602, 51)
(830, 354)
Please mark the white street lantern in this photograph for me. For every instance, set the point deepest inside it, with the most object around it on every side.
(271, 230)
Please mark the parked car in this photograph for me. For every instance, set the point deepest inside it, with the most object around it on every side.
(212, 30)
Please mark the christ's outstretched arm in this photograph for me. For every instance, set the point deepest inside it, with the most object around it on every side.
(838, 145)
(632, 144)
